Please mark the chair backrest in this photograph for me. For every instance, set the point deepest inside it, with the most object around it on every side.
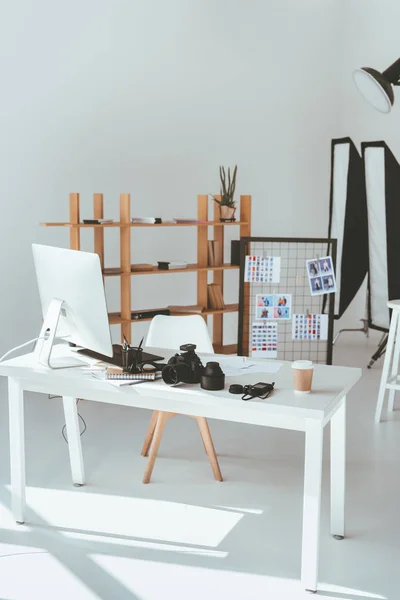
(172, 332)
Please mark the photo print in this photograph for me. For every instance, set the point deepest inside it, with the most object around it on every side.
(312, 327)
(321, 276)
(264, 340)
(274, 306)
(260, 269)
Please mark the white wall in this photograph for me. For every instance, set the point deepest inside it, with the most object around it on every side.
(370, 38)
(149, 97)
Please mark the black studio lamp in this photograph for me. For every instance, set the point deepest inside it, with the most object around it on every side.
(377, 87)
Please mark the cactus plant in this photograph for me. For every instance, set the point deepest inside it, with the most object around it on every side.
(227, 188)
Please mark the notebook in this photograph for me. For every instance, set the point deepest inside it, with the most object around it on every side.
(113, 374)
(119, 378)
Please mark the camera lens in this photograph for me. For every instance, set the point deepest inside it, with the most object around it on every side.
(213, 377)
(169, 375)
(174, 374)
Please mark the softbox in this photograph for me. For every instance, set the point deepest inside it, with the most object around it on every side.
(348, 221)
(382, 177)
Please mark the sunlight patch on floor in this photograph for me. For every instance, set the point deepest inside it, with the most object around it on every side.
(133, 517)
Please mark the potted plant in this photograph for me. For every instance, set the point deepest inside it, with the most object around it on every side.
(227, 204)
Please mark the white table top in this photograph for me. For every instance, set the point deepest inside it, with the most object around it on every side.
(284, 408)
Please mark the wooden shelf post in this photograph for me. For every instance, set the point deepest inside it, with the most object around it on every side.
(218, 277)
(98, 213)
(125, 250)
(74, 232)
(202, 250)
(245, 231)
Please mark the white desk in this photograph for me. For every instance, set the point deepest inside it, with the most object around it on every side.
(284, 409)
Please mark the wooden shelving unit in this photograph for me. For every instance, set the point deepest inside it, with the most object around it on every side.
(123, 318)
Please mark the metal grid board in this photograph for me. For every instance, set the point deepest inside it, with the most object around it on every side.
(293, 252)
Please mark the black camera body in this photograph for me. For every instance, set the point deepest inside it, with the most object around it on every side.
(188, 368)
(183, 368)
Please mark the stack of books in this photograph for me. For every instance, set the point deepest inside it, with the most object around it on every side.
(195, 309)
(215, 297)
(150, 220)
(188, 220)
(215, 252)
(170, 265)
(97, 221)
(142, 267)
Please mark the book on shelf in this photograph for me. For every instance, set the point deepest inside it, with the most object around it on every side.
(192, 309)
(215, 297)
(214, 253)
(137, 315)
(97, 221)
(150, 220)
(171, 265)
(112, 271)
(188, 220)
(142, 267)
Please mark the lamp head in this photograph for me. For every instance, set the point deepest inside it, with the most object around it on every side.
(375, 88)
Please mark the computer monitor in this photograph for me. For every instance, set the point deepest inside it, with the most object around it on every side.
(73, 303)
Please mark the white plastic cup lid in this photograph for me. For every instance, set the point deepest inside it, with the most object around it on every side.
(302, 365)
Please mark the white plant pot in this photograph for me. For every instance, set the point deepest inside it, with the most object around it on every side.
(226, 213)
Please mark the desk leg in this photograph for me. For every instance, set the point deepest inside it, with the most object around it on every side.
(17, 448)
(338, 470)
(74, 440)
(312, 504)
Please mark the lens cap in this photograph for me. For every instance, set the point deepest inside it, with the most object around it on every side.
(213, 378)
(236, 388)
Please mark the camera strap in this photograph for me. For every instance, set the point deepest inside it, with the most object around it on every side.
(250, 391)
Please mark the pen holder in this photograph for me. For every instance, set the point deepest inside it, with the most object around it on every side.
(125, 361)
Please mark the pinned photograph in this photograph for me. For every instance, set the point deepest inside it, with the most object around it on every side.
(313, 268)
(325, 265)
(265, 300)
(262, 269)
(282, 312)
(328, 283)
(273, 306)
(321, 275)
(311, 327)
(265, 313)
(264, 340)
(316, 285)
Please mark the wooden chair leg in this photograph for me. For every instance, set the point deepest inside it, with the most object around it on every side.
(209, 446)
(155, 444)
(150, 433)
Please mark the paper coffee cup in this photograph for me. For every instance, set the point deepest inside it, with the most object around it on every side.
(302, 376)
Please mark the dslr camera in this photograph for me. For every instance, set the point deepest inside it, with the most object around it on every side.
(188, 368)
(183, 368)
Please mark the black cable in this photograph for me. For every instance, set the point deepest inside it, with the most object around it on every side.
(64, 426)
(81, 433)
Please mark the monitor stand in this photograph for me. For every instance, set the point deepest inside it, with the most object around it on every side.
(44, 346)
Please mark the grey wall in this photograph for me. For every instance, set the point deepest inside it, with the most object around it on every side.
(149, 97)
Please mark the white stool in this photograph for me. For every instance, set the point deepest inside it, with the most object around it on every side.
(392, 356)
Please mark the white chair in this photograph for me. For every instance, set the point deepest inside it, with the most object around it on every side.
(170, 333)
(391, 363)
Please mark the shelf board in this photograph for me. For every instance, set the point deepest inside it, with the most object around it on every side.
(82, 225)
(165, 224)
(191, 268)
(194, 224)
(225, 349)
(220, 311)
(115, 317)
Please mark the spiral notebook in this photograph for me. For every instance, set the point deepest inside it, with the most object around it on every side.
(119, 378)
(131, 376)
